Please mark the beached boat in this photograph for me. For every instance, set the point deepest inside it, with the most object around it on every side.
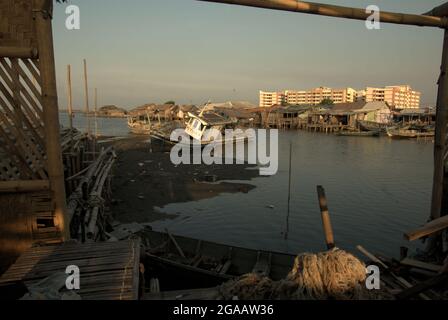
(179, 259)
(359, 133)
(210, 127)
(372, 126)
(141, 124)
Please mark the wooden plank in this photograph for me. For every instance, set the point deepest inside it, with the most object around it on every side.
(179, 249)
(403, 282)
(109, 270)
(429, 229)
(24, 185)
(421, 265)
(423, 286)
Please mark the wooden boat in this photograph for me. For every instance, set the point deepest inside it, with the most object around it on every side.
(198, 264)
(409, 134)
(359, 133)
(372, 126)
(203, 127)
(141, 124)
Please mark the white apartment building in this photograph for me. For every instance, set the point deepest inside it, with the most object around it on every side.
(399, 97)
(269, 99)
(310, 97)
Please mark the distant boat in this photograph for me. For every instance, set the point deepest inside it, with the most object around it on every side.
(408, 133)
(359, 133)
(140, 124)
(372, 126)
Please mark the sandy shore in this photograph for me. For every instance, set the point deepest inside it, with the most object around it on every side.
(144, 180)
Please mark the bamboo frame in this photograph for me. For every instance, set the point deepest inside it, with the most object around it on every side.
(340, 12)
(19, 52)
(24, 186)
(43, 12)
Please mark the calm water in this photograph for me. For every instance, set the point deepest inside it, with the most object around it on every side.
(376, 188)
(106, 126)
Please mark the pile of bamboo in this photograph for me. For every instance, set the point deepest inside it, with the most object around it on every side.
(85, 205)
(87, 182)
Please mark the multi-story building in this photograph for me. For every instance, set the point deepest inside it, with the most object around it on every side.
(310, 97)
(269, 99)
(398, 97)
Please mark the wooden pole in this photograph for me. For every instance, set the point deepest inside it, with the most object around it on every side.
(96, 110)
(340, 12)
(42, 18)
(326, 221)
(86, 88)
(440, 136)
(69, 96)
(289, 191)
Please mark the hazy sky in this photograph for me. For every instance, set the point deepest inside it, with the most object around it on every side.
(142, 51)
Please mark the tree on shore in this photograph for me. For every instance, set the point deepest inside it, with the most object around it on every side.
(326, 102)
(170, 102)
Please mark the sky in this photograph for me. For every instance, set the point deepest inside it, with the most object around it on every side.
(153, 51)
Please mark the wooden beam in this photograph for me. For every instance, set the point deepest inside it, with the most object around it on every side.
(423, 286)
(421, 265)
(44, 33)
(440, 135)
(24, 186)
(19, 52)
(340, 12)
(429, 229)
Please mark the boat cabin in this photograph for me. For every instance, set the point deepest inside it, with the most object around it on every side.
(198, 124)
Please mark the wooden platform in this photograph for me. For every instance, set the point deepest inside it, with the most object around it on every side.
(108, 270)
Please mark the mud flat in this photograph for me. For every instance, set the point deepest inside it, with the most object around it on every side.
(145, 180)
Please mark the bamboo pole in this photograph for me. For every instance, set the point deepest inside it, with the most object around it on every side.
(326, 221)
(42, 18)
(340, 12)
(18, 52)
(69, 96)
(96, 110)
(86, 88)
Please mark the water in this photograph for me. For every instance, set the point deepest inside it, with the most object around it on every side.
(106, 126)
(377, 189)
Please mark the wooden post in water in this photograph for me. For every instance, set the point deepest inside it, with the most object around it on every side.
(69, 96)
(42, 18)
(96, 110)
(86, 88)
(326, 221)
(289, 192)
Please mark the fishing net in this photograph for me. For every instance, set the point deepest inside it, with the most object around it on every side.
(334, 274)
